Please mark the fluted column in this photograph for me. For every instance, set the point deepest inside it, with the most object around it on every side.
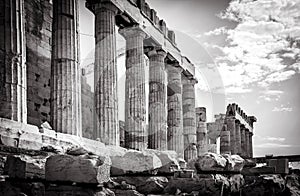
(189, 118)
(243, 140)
(230, 122)
(201, 130)
(175, 119)
(135, 95)
(225, 140)
(12, 61)
(105, 72)
(238, 145)
(157, 101)
(250, 145)
(65, 69)
(247, 136)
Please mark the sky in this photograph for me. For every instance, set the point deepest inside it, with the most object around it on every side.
(244, 51)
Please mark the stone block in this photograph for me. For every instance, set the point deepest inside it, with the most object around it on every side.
(168, 160)
(25, 167)
(80, 169)
(281, 165)
(209, 162)
(133, 162)
(234, 162)
(258, 170)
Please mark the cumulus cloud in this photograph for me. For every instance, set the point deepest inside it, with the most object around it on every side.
(282, 108)
(263, 48)
(271, 95)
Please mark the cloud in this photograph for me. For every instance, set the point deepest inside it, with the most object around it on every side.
(217, 31)
(271, 95)
(263, 48)
(282, 108)
(273, 145)
(269, 138)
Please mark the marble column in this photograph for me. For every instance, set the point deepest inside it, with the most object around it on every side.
(13, 84)
(238, 145)
(250, 145)
(65, 69)
(157, 132)
(106, 126)
(243, 140)
(135, 94)
(175, 119)
(189, 118)
(225, 140)
(230, 122)
(201, 130)
(247, 143)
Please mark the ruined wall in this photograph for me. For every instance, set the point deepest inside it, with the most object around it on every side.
(87, 108)
(38, 24)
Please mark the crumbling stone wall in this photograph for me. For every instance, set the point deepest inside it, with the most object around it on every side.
(38, 24)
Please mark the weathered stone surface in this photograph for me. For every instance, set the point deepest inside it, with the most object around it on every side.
(81, 169)
(153, 185)
(281, 165)
(175, 118)
(189, 118)
(13, 83)
(63, 190)
(135, 94)
(65, 74)
(205, 186)
(105, 72)
(258, 170)
(10, 188)
(25, 167)
(157, 130)
(145, 185)
(127, 193)
(168, 160)
(234, 162)
(293, 184)
(236, 183)
(209, 162)
(265, 185)
(134, 162)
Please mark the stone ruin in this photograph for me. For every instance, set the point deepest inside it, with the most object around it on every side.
(85, 149)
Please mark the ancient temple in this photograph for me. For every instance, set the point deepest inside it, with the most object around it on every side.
(50, 116)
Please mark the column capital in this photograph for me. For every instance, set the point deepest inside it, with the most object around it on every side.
(95, 6)
(157, 52)
(189, 80)
(174, 67)
(133, 31)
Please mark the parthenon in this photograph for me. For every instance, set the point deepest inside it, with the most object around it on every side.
(59, 137)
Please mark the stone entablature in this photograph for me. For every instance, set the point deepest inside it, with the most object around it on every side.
(233, 110)
(134, 12)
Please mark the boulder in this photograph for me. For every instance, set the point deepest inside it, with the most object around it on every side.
(258, 170)
(265, 185)
(153, 185)
(209, 162)
(293, 184)
(80, 169)
(168, 160)
(25, 167)
(134, 162)
(234, 162)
